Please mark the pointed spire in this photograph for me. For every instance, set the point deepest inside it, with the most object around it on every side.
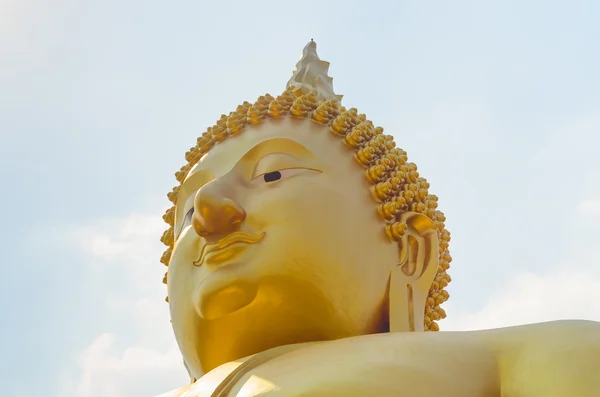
(310, 74)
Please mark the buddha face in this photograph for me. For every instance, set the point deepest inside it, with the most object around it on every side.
(277, 241)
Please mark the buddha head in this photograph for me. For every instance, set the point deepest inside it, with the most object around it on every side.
(296, 220)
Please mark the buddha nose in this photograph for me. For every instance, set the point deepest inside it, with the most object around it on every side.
(215, 213)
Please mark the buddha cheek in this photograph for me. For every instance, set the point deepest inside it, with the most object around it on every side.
(292, 219)
(304, 221)
(184, 277)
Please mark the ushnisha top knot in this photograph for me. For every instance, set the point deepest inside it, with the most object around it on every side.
(310, 75)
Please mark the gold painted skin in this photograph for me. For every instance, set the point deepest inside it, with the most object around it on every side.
(317, 261)
(278, 290)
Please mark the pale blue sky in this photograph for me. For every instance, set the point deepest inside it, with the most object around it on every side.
(498, 103)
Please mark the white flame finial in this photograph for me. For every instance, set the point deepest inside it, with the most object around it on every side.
(310, 74)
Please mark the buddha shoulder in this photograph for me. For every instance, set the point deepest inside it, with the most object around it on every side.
(383, 364)
(560, 358)
(423, 364)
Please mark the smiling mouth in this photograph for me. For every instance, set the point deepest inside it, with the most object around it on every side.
(233, 238)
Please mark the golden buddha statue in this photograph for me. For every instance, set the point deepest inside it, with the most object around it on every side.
(306, 257)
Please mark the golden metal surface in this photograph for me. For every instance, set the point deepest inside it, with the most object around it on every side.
(305, 253)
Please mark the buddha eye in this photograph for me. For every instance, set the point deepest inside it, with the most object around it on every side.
(276, 176)
(272, 176)
(188, 218)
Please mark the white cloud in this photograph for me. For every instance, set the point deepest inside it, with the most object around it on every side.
(531, 298)
(152, 363)
(133, 371)
(589, 208)
(568, 290)
(133, 238)
(129, 247)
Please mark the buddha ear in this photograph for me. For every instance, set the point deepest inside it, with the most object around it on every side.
(411, 279)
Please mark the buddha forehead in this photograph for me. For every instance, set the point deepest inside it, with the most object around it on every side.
(306, 141)
(294, 137)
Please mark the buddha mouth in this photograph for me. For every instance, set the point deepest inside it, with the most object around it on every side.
(233, 238)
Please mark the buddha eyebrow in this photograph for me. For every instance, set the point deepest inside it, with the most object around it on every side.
(283, 146)
(269, 153)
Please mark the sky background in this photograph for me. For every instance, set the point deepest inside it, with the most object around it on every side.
(498, 103)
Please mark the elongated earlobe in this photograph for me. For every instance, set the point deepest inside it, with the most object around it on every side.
(411, 279)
